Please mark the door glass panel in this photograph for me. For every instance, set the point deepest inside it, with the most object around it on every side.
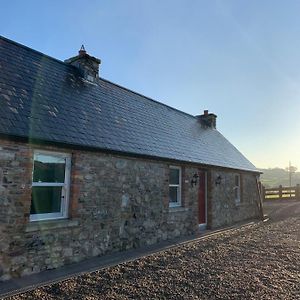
(46, 199)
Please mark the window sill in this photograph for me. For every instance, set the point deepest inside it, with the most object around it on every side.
(50, 224)
(177, 209)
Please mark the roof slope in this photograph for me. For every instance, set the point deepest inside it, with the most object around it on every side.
(43, 98)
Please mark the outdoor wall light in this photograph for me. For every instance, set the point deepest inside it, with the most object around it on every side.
(218, 180)
(194, 179)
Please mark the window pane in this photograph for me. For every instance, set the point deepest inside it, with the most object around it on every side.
(48, 168)
(46, 199)
(174, 176)
(237, 180)
(173, 194)
(237, 193)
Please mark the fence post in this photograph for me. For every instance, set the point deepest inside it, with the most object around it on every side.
(263, 192)
(280, 192)
(297, 192)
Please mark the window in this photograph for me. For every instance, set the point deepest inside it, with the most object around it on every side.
(237, 189)
(50, 186)
(175, 186)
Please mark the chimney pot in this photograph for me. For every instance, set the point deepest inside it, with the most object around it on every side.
(82, 51)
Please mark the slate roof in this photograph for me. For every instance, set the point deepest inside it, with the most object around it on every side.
(46, 99)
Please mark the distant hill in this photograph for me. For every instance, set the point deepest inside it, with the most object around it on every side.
(275, 177)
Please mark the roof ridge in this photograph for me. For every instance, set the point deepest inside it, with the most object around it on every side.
(108, 81)
(31, 49)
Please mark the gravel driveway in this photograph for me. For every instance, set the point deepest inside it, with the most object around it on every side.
(254, 262)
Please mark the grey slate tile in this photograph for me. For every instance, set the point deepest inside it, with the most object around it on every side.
(47, 99)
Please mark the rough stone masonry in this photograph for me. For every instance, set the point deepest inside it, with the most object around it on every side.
(116, 203)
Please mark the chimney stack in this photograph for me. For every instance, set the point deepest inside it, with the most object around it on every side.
(207, 120)
(88, 65)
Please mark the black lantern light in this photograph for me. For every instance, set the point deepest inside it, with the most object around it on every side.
(194, 179)
(218, 180)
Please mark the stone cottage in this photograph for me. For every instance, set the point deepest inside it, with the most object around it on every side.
(88, 167)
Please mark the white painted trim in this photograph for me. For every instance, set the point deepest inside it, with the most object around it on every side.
(47, 184)
(44, 217)
(238, 188)
(63, 214)
(53, 153)
(179, 193)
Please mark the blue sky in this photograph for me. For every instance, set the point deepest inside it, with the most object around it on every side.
(239, 59)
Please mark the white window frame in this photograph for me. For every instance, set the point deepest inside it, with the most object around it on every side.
(63, 214)
(237, 188)
(179, 202)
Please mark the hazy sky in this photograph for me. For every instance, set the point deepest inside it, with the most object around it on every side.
(239, 59)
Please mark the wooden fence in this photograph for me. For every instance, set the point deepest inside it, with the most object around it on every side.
(281, 192)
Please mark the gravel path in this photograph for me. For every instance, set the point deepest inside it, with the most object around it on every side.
(255, 262)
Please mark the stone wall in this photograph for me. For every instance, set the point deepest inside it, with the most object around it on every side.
(116, 203)
(223, 209)
(15, 191)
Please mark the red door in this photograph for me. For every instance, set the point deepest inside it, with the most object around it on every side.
(202, 197)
